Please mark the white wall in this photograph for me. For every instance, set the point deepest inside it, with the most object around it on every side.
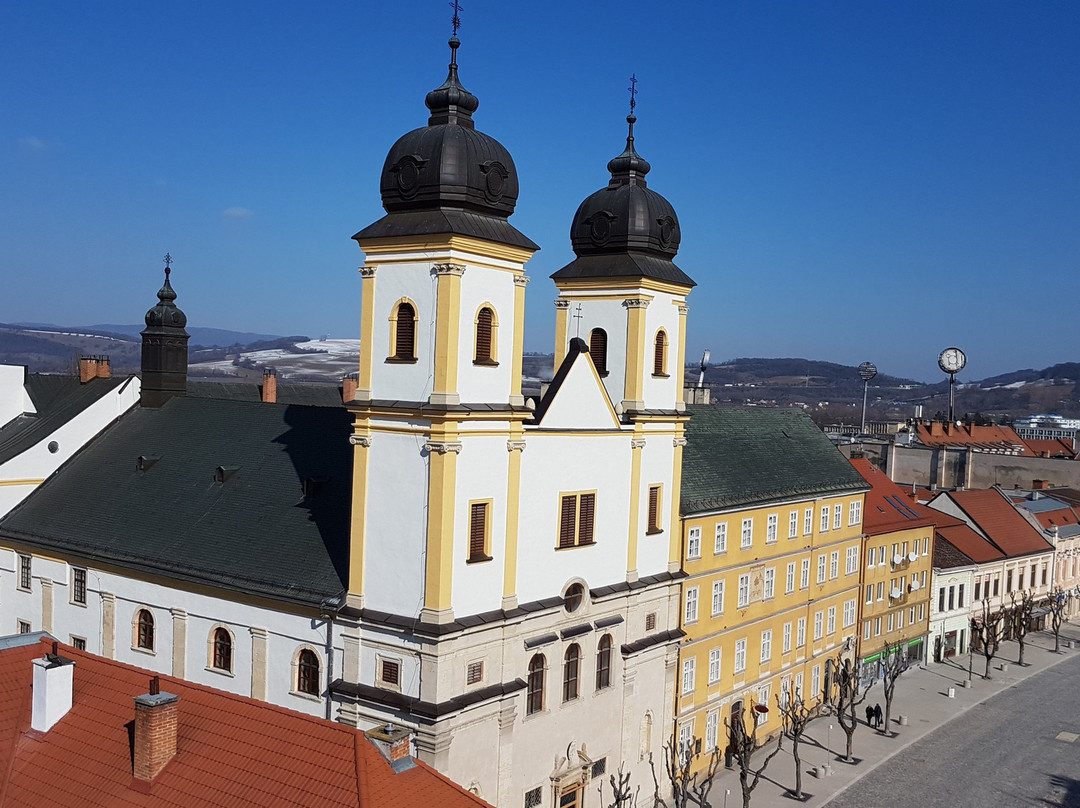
(479, 383)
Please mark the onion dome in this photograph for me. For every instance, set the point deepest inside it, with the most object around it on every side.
(166, 314)
(449, 177)
(164, 349)
(626, 229)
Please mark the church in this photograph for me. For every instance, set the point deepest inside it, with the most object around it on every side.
(494, 571)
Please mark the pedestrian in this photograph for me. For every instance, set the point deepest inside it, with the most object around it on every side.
(869, 716)
(877, 715)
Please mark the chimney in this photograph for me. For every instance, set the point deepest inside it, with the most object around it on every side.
(935, 427)
(53, 679)
(394, 743)
(348, 387)
(1039, 484)
(155, 731)
(93, 367)
(269, 386)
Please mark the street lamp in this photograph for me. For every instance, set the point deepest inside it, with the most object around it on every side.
(971, 648)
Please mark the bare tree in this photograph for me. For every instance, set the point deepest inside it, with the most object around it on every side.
(1059, 602)
(891, 664)
(849, 695)
(743, 745)
(688, 787)
(796, 715)
(1020, 619)
(987, 633)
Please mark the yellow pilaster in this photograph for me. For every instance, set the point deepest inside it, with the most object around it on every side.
(562, 320)
(447, 333)
(636, 445)
(680, 367)
(361, 441)
(675, 533)
(442, 485)
(634, 387)
(367, 332)
(520, 282)
(515, 445)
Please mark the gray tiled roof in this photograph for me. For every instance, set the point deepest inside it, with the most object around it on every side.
(256, 532)
(313, 395)
(57, 399)
(741, 457)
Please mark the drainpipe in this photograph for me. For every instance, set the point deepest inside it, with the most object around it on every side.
(328, 618)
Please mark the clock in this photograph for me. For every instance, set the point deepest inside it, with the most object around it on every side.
(952, 360)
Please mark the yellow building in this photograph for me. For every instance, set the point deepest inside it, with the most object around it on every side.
(898, 557)
(772, 537)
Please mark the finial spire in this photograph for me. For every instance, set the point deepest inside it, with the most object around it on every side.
(631, 119)
(455, 21)
(168, 265)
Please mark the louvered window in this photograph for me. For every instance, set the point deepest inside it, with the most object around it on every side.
(478, 531)
(484, 342)
(405, 332)
(390, 673)
(567, 520)
(654, 510)
(660, 354)
(598, 350)
(577, 514)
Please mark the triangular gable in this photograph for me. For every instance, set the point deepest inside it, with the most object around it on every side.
(576, 398)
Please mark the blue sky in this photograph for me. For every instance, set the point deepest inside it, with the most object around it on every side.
(854, 181)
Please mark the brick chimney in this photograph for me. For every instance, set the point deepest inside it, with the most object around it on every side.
(1040, 484)
(348, 387)
(53, 679)
(394, 743)
(94, 367)
(936, 428)
(269, 386)
(155, 731)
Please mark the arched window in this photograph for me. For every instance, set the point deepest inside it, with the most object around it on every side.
(307, 672)
(221, 650)
(660, 354)
(603, 662)
(485, 337)
(144, 630)
(534, 701)
(403, 348)
(571, 663)
(598, 350)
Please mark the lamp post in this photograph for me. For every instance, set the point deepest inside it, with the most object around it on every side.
(971, 648)
(867, 371)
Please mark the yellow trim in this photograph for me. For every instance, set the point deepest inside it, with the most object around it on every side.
(519, 341)
(447, 333)
(442, 485)
(674, 550)
(21, 482)
(562, 315)
(652, 529)
(635, 509)
(603, 391)
(489, 512)
(627, 283)
(358, 519)
(664, 353)
(586, 298)
(513, 504)
(367, 331)
(635, 354)
(681, 356)
(393, 326)
(493, 348)
(570, 433)
(480, 247)
(577, 518)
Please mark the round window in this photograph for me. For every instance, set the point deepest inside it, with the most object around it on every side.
(54, 447)
(575, 594)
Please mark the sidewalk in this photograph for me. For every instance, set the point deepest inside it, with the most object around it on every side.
(921, 697)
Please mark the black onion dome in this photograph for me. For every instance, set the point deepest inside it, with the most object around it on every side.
(448, 176)
(626, 229)
(166, 314)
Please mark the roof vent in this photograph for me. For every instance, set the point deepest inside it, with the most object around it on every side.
(223, 473)
(145, 462)
(313, 486)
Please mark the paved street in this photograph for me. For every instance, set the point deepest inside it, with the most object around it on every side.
(1003, 752)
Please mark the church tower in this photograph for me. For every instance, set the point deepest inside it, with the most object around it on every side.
(164, 348)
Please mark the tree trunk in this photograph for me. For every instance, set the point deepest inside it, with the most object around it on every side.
(745, 790)
(986, 675)
(888, 713)
(850, 736)
(798, 768)
(1057, 633)
(1020, 661)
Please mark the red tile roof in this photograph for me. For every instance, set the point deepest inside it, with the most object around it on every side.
(989, 438)
(888, 506)
(968, 542)
(1052, 448)
(231, 750)
(995, 516)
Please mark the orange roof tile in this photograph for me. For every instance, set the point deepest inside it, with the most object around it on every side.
(231, 750)
(1052, 448)
(989, 438)
(888, 506)
(991, 511)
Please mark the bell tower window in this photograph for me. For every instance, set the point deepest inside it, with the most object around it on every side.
(660, 354)
(403, 333)
(598, 350)
(486, 328)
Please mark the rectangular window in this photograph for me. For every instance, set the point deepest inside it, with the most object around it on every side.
(691, 605)
(891, 621)
(78, 585)
(870, 557)
(712, 724)
(869, 593)
(78, 643)
(834, 565)
(978, 586)
(762, 699)
(479, 524)
(941, 599)
(771, 528)
(881, 590)
(766, 645)
(849, 613)
(747, 533)
(830, 623)
(1031, 580)
(787, 637)
(740, 655)
(686, 740)
(576, 515)
(997, 583)
(808, 522)
(1044, 575)
(882, 558)
(24, 627)
(798, 684)
(851, 563)
(24, 572)
(650, 621)
(921, 611)
(855, 513)
(793, 525)
(744, 591)
(819, 624)
(770, 583)
(714, 666)
(821, 568)
(837, 516)
(877, 627)
(693, 543)
(900, 618)
(925, 546)
(866, 630)
(815, 682)
(655, 501)
(721, 538)
(911, 618)
(952, 598)
(534, 798)
(688, 675)
(804, 576)
(824, 518)
(1008, 581)
(790, 582)
(717, 597)
(389, 672)
(474, 673)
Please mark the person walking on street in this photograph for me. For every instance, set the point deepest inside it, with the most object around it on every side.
(869, 716)
(877, 716)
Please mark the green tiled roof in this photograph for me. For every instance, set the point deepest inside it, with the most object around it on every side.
(742, 457)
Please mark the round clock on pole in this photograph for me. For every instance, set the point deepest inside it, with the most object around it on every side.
(951, 361)
(867, 371)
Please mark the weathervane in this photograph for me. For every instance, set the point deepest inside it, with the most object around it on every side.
(168, 264)
(456, 20)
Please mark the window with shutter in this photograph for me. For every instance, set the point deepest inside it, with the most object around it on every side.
(478, 531)
(567, 534)
(660, 354)
(577, 514)
(654, 510)
(405, 333)
(485, 323)
(586, 513)
(598, 350)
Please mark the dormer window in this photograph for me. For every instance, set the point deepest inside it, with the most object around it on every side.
(598, 350)
(660, 354)
(486, 326)
(403, 333)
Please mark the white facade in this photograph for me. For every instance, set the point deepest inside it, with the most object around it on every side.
(951, 608)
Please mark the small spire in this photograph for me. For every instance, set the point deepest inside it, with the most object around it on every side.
(450, 102)
(165, 293)
(168, 264)
(456, 19)
(629, 166)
